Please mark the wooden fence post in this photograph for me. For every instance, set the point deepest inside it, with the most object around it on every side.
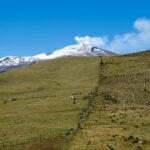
(3, 144)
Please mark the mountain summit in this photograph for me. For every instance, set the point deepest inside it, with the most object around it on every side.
(10, 62)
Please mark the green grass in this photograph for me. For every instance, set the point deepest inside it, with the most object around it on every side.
(119, 113)
(33, 121)
(120, 117)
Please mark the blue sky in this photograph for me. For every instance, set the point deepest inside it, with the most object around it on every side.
(29, 27)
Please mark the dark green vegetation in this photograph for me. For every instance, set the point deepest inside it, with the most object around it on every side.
(35, 109)
(120, 110)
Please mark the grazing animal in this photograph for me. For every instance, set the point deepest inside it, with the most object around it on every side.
(12, 99)
(48, 98)
(73, 98)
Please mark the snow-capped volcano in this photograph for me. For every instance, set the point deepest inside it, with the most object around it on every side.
(14, 60)
(10, 62)
(80, 50)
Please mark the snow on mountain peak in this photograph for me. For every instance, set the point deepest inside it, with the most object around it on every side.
(79, 50)
(84, 47)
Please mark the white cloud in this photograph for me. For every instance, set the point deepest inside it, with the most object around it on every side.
(93, 41)
(138, 39)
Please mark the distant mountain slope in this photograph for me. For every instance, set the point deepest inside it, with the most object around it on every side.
(10, 62)
(141, 53)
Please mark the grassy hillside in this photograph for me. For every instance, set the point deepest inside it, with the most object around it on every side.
(42, 113)
(120, 109)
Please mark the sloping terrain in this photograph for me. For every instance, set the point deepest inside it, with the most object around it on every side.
(35, 109)
(37, 114)
(120, 107)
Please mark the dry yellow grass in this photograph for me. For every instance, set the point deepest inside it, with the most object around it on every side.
(120, 119)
